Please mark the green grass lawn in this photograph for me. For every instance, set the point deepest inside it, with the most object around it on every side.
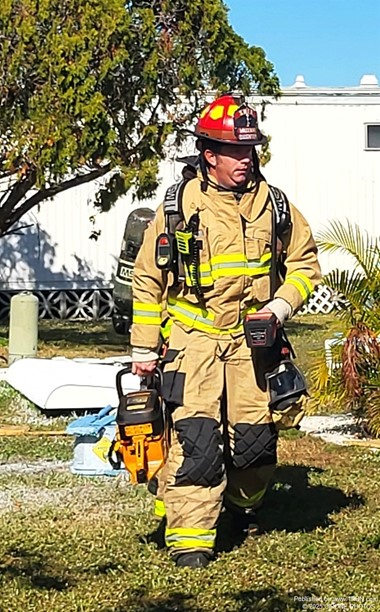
(70, 543)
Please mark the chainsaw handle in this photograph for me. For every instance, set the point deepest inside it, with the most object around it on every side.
(128, 370)
(119, 376)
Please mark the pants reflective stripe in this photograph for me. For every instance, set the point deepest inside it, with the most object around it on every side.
(249, 502)
(301, 283)
(159, 508)
(190, 538)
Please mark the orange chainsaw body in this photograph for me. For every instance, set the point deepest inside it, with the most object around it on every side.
(142, 432)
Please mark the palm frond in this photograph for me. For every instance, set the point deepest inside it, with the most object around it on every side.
(354, 379)
(348, 238)
(326, 385)
(355, 289)
(373, 413)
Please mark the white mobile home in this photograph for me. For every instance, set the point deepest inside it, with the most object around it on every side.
(325, 154)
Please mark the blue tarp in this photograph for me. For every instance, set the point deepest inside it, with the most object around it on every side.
(92, 424)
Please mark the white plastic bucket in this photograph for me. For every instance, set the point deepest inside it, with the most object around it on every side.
(91, 454)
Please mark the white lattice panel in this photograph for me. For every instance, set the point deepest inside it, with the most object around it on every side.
(92, 304)
(97, 304)
(321, 301)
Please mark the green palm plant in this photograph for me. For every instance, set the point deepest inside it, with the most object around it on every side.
(354, 382)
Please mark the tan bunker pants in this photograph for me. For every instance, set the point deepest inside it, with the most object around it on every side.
(212, 455)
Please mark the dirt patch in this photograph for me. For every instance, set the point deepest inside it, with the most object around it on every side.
(311, 451)
(34, 468)
(20, 498)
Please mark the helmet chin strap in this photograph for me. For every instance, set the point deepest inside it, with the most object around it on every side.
(238, 190)
(255, 172)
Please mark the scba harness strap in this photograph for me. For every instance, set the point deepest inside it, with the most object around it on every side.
(174, 218)
(281, 210)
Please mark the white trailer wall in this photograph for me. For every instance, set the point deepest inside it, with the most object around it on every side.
(318, 159)
(55, 252)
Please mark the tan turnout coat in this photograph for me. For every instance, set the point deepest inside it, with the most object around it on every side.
(234, 265)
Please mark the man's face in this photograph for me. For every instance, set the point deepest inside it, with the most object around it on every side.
(231, 166)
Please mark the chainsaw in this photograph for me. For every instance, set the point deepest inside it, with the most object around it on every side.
(142, 432)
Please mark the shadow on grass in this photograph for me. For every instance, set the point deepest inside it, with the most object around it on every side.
(31, 567)
(261, 600)
(157, 536)
(291, 504)
(82, 333)
(300, 326)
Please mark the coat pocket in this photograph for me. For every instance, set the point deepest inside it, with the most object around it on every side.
(257, 243)
(173, 377)
(261, 289)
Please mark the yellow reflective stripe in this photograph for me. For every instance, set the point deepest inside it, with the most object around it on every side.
(234, 264)
(249, 502)
(243, 271)
(237, 258)
(188, 543)
(301, 282)
(159, 508)
(190, 310)
(229, 258)
(205, 275)
(190, 538)
(237, 264)
(198, 318)
(190, 531)
(166, 328)
(148, 307)
(145, 320)
(147, 314)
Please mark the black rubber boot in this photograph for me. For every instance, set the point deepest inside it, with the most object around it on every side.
(192, 559)
(247, 523)
(243, 522)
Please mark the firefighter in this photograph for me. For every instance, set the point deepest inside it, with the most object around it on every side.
(223, 447)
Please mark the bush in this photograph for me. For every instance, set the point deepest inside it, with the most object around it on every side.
(355, 378)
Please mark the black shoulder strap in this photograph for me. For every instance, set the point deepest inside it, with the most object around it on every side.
(281, 209)
(281, 224)
(173, 209)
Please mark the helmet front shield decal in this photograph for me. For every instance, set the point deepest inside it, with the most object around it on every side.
(245, 124)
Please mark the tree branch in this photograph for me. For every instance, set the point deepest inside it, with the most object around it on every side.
(17, 193)
(44, 194)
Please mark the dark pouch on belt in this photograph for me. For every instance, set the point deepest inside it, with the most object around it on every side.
(260, 330)
(173, 380)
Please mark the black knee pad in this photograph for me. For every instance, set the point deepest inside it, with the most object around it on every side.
(254, 445)
(202, 446)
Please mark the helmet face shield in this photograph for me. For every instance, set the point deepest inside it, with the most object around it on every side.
(286, 385)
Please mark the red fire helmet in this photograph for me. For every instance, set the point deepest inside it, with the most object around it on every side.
(229, 121)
